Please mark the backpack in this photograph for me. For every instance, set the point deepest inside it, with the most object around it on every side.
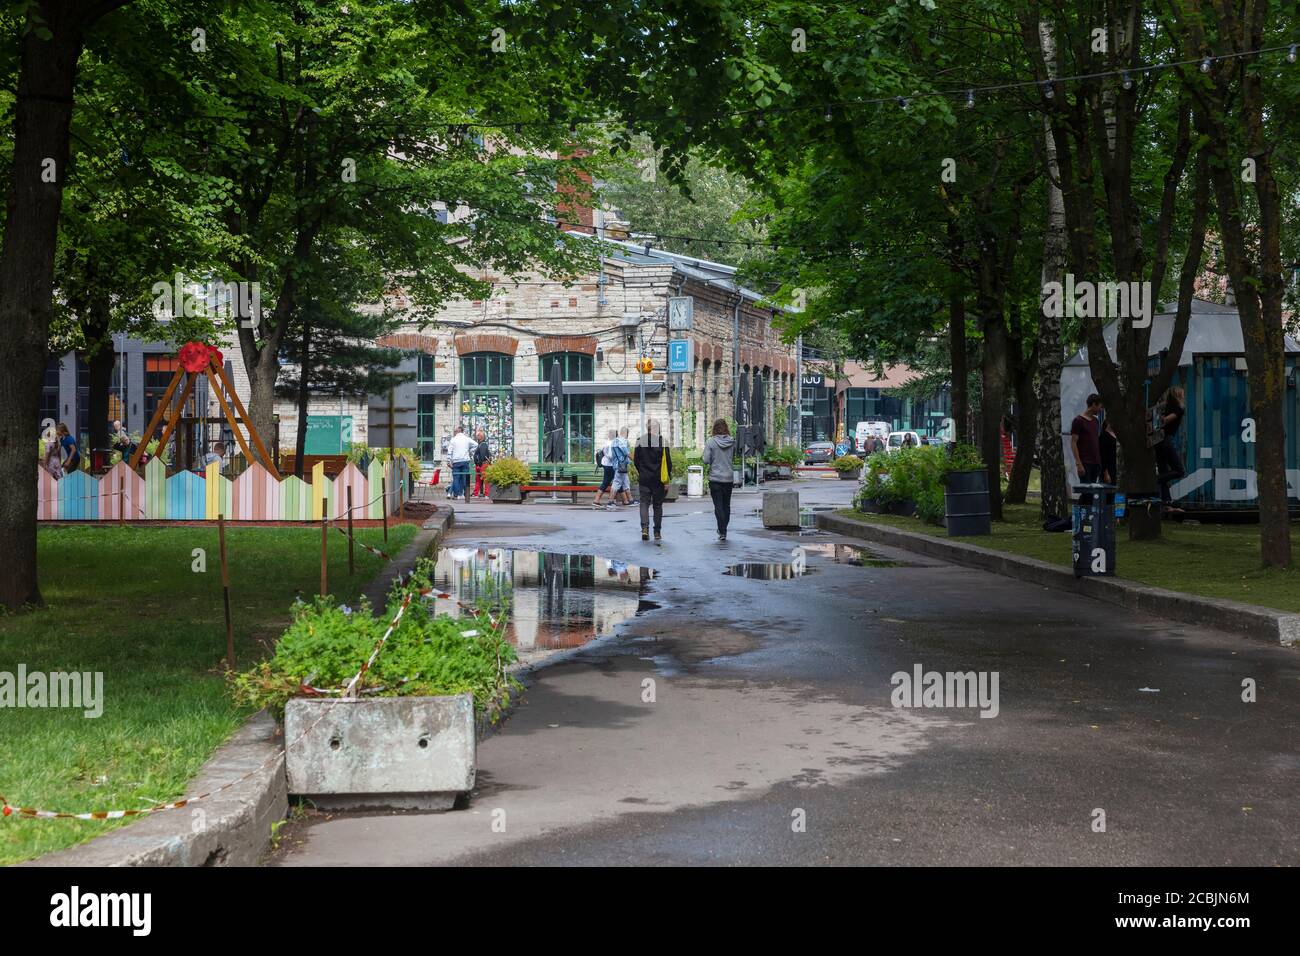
(620, 457)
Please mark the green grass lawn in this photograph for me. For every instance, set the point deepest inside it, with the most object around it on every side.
(125, 602)
(1212, 560)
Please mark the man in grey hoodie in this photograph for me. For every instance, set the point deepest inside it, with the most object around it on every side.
(718, 454)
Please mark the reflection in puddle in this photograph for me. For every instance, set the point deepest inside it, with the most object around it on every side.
(557, 600)
(853, 554)
(797, 566)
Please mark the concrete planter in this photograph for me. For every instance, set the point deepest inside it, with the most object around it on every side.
(508, 493)
(854, 475)
(412, 753)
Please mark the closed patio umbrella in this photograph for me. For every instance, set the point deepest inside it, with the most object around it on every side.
(553, 440)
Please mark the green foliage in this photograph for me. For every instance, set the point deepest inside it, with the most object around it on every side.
(359, 450)
(847, 463)
(916, 474)
(788, 455)
(427, 655)
(506, 473)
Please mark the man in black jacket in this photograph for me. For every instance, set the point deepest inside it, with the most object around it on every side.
(650, 458)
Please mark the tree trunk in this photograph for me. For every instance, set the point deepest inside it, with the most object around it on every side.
(1027, 429)
(46, 80)
(101, 386)
(304, 394)
(1054, 498)
(957, 348)
(993, 400)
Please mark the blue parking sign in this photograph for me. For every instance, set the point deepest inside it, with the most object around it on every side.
(681, 355)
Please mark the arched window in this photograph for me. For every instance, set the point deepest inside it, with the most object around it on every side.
(487, 401)
(579, 410)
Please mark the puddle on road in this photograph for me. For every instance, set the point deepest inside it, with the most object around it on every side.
(797, 567)
(557, 601)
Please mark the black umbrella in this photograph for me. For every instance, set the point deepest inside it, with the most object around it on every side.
(743, 414)
(758, 414)
(553, 441)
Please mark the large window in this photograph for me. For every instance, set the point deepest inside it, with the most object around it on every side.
(487, 370)
(50, 391)
(426, 439)
(487, 402)
(579, 410)
(424, 371)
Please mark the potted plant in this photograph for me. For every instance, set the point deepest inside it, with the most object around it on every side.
(786, 459)
(406, 734)
(504, 476)
(849, 467)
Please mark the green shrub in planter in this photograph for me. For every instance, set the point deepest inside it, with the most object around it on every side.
(790, 456)
(847, 463)
(507, 473)
(916, 475)
(427, 655)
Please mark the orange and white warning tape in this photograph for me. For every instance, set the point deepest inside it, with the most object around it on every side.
(353, 537)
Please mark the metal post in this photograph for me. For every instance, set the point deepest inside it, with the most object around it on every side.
(383, 497)
(351, 565)
(640, 373)
(225, 592)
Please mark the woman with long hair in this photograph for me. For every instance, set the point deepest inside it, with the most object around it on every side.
(1169, 463)
(719, 463)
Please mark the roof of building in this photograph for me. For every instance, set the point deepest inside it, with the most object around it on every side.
(1212, 329)
(717, 274)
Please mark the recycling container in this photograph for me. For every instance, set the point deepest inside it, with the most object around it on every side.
(695, 482)
(966, 503)
(1094, 531)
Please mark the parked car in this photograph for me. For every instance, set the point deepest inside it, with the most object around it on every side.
(896, 441)
(819, 452)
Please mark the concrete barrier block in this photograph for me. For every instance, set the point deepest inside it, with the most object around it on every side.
(415, 753)
(780, 509)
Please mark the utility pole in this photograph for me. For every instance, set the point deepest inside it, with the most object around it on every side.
(640, 370)
(798, 391)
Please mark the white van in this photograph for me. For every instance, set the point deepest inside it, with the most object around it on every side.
(896, 441)
(864, 430)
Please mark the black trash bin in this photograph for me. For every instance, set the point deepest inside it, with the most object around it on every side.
(1094, 531)
(966, 503)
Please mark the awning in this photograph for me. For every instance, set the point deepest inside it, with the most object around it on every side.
(538, 389)
(436, 388)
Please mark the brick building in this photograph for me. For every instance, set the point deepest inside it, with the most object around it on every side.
(486, 363)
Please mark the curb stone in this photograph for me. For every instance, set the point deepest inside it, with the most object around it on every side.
(236, 824)
(1248, 620)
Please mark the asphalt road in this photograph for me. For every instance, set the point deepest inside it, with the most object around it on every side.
(771, 737)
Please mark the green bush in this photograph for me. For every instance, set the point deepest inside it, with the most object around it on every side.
(425, 656)
(506, 473)
(847, 463)
(916, 474)
(360, 450)
(789, 455)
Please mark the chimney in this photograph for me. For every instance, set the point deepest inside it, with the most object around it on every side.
(618, 229)
(574, 206)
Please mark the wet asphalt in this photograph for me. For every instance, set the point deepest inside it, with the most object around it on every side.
(749, 721)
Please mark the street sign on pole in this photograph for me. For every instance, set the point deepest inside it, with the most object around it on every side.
(681, 355)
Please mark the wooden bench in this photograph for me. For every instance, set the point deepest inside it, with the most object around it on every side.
(571, 487)
(334, 464)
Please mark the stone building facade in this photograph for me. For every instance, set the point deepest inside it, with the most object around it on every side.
(485, 363)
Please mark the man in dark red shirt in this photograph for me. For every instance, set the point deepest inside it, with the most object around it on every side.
(1085, 443)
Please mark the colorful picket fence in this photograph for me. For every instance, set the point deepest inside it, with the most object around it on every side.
(121, 494)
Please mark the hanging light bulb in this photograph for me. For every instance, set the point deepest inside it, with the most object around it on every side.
(1290, 54)
(758, 120)
(970, 98)
(828, 106)
(1205, 65)
(1126, 80)
(1047, 89)
(902, 102)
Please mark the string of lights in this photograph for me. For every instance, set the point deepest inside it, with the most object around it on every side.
(967, 93)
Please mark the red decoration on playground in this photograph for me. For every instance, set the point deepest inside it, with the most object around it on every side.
(195, 357)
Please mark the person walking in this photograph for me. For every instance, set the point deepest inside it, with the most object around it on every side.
(654, 466)
(1085, 444)
(69, 450)
(1169, 464)
(608, 467)
(460, 452)
(622, 459)
(51, 462)
(719, 453)
(482, 458)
